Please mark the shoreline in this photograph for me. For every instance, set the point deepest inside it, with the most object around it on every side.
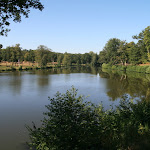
(129, 68)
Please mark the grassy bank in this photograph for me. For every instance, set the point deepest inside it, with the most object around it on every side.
(14, 68)
(11, 66)
(129, 68)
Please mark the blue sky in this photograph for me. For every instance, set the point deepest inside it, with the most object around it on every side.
(79, 26)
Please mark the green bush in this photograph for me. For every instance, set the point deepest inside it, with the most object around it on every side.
(138, 69)
(44, 67)
(114, 67)
(13, 68)
(131, 68)
(141, 69)
(37, 68)
(122, 68)
(131, 125)
(20, 68)
(71, 123)
(106, 66)
(148, 69)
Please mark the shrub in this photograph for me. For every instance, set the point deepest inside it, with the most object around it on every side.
(114, 67)
(13, 68)
(131, 68)
(141, 69)
(70, 124)
(36, 68)
(148, 69)
(73, 124)
(43, 67)
(131, 121)
(20, 68)
(106, 66)
(122, 68)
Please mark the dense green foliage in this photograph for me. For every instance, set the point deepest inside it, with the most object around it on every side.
(130, 68)
(133, 83)
(43, 55)
(106, 66)
(115, 52)
(72, 123)
(114, 67)
(121, 52)
(15, 9)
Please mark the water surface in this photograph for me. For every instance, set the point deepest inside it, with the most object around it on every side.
(23, 95)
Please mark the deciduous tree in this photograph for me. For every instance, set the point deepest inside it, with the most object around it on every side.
(147, 40)
(42, 55)
(111, 49)
(67, 59)
(15, 9)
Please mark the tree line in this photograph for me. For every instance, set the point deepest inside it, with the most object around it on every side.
(114, 52)
(43, 55)
(117, 51)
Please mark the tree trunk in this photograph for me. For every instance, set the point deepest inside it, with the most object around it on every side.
(125, 63)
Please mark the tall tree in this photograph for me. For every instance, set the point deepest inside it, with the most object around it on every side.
(67, 59)
(102, 57)
(42, 55)
(59, 58)
(111, 49)
(6, 54)
(86, 58)
(1, 46)
(134, 53)
(94, 59)
(147, 40)
(53, 57)
(18, 52)
(15, 9)
(122, 53)
(142, 46)
(78, 59)
(29, 55)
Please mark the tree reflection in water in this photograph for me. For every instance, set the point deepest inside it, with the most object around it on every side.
(137, 85)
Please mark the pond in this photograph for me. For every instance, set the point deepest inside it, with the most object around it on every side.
(23, 95)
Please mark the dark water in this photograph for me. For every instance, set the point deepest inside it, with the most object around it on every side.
(23, 95)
